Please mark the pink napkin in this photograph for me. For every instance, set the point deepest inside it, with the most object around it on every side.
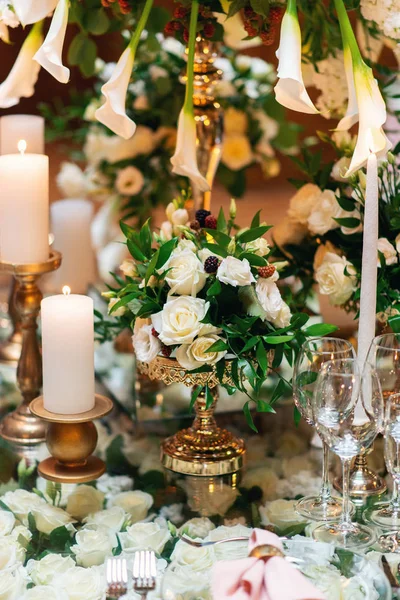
(257, 579)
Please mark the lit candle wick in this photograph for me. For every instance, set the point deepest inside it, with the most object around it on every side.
(22, 146)
(66, 290)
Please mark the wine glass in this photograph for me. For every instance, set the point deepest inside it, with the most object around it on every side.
(313, 354)
(348, 413)
(384, 357)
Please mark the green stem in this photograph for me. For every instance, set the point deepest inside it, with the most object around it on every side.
(291, 8)
(348, 37)
(141, 25)
(188, 105)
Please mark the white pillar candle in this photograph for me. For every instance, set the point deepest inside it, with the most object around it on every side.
(68, 353)
(22, 127)
(71, 226)
(24, 208)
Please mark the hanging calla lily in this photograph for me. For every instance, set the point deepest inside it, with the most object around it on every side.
(184, 161)
(49, 55)
(32, 11)
(112, 113)
(290, 90)
(21, 80)
(371, 106)
(351, 116)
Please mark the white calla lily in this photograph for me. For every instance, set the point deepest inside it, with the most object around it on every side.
(49, 55)
(21, 80)
(234, 31)
(290, 90)
(184, 161)
(351, 116)
(112, 113)
(32, 11)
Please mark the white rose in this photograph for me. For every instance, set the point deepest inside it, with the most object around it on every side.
(83, 584)
(229, 551)
(42, 572)
(84, 501)
(11, 553)
(291, 444)
(283, 317)
(186, 584)
(326, 209)
(209, 501)
(388, 251)
(166, 230)
(259, 247)
(233, 271)
(186, 275)
(173, 513)
(205, 253)
(303, 202)
(326, 579)
(119, 311)
(243, 62)
(129, 181)
(71, 181)
(21, 503)
(340, 169)
(333, 281)
(197, 559)
(92, 546)
(135, 503)
(264, 478)
(13, 583)
(198, 527)
(191, 356)
(280, 514)
(270, 298)
(48, 517)
(145, 536)
(45, 591)
(112, 518)
(180, 320)
(293, 465)
(145, 344)
(289, 232)
(22, 535)
(7, 522)
(176, 216)
(113, 484)
(397, 242)
(128, 268)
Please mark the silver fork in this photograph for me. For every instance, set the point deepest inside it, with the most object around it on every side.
(202, 544)
(144, 572)
(117, 577)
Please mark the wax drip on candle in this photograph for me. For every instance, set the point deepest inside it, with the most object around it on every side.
(21, 146)
(66, 290)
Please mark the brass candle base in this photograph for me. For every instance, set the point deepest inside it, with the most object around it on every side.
(10, 349)
(20, 427)
(363, 481)
(71, 440)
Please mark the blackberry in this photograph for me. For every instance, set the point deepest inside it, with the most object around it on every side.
(201, 216)
(166, 350)
(210, 222)
(249, 13)
(267, 271)
(185, 35)
(209, 30)
(275, 14)
(211, 264)
(195, 225)
(180, 12)
(169, 29)
(268, 36)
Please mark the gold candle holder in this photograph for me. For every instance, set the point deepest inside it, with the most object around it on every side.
(71, 440)
(10, 349)
(363, 481)
(21, 427)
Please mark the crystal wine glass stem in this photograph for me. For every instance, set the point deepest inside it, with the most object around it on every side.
(346, 519)
(325, 488)
(395, 496)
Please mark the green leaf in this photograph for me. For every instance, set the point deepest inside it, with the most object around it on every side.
(281, 389)
(220, 369)
(296, 416)
(219, 236)
(165, 252)
(253, 234)
(152, 266)
(214, 289)
(250, 343)
(145, 238)
(261, 356)
(278, 339)
(350, 222)
(298, 320)
(264, 407)
(32, 523)
(97, 21)
(249, 416)
(215, 249)
(209, 397)
(261, 7)
(135, 251)
(59, 537)
(195, 394)
(221, 221)
(82, 52)
(254, 259)
(256, 220)
(128, 231)
(218, 346)
(394, 323)
(319, 329)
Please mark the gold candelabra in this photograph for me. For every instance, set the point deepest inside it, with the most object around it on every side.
(71, 440)
(10, 349)
(21, 427)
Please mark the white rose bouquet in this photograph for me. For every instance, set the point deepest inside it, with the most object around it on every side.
(205, 294)
(321, 235)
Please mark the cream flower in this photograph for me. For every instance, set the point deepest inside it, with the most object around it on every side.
(187, 584)
(49, 55)
(333, 281)
(48, 518)
(32, 11)
(184, 161)
(92, 546)
(264, 478)
(13, 583)
(145, 536)
(180, 320)
(303, 202)
(71, 181)
(20, 82)
(129, 181)
(235, 121)
(340, 169)
(194, 355)
(11, 553)
(119, 312)
(280, 514)
(135, 503)
(236, 151)
(128, 268)
(82, 584)
(84, 501)
(22, 535)
(388, 250)
(291, 444)
(112, 113)
(290, 90)
(21, 503)
(185, 274)
(326, 209)
(45, 591)
(145, 344)
(259, 246)
(229, 551)
(283, 317)
(198, 527)
(7, 522)
(321, 252)
(289, 232)
(195, 559)
(43, 571)
(397, 242)
(235, 272)
(269, 296)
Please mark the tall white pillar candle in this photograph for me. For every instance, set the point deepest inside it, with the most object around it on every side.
(71, 226)
(22, 127)
(68, 353)
(24, 208)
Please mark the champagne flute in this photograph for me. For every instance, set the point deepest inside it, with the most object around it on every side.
(313, 354)
(348, 413)
(384, 357)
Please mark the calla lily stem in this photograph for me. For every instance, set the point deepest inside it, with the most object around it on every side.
(348, 36)
(188, 105)
(141, 25)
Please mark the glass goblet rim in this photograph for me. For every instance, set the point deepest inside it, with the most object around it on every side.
(377, 341)
(326, 352)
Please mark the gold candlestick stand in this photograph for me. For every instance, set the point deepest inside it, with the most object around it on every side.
(21, 427)
(71, 439)
(10, 349)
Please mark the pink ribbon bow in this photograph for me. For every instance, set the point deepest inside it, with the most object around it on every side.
(255, 578)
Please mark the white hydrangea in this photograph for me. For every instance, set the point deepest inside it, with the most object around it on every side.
(330, 79)
(386, 15)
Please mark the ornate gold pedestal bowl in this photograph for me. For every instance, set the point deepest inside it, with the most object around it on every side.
(203, 449)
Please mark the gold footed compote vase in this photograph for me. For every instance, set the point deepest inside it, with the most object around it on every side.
(204, 449)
